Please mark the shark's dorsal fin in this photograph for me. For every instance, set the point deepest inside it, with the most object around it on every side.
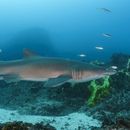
(28, 54)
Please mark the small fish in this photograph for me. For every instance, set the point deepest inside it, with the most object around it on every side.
(99, 48)
(114, 67)
(82, 55)
(106, 35)
(106, 10)
(0, 50)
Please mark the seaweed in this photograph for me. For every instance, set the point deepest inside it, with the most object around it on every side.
(98, 91)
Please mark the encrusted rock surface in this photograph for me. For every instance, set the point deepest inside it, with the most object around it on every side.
(25, 126)
(33, 98)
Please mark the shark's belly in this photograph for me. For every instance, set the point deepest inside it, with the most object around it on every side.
(39, 74)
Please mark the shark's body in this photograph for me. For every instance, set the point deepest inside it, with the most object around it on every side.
(53, 70)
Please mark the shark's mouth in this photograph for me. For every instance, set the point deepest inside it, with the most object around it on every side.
(110, 72)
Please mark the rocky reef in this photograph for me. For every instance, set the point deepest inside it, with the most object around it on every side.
(107, 99)
(33, 98)
(25, 126)
(119, 124)
(114, 110)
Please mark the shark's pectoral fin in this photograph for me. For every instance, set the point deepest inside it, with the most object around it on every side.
(9, 78)
(54, 82)
(72, 84)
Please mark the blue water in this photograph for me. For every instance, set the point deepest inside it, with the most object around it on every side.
(64, 28)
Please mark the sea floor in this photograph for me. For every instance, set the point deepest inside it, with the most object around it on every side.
(66, 107)
(74, 121)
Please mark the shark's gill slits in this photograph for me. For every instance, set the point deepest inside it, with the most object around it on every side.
(77, 74)
(73, 74)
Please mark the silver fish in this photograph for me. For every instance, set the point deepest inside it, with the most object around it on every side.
(54, 71)
(82, 55)
(106, 35)
(99, 48)
(106, 10)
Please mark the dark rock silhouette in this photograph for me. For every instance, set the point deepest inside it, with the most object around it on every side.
(35, 39)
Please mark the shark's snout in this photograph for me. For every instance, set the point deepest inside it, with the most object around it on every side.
(110, 71)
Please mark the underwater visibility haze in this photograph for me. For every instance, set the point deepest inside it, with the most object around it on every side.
(64, 28)
(48, 47)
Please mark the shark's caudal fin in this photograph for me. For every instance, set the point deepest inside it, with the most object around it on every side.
(28, 54)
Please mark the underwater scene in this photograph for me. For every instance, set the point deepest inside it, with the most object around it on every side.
(64, 65)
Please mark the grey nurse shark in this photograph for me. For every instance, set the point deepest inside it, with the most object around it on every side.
(53, 71)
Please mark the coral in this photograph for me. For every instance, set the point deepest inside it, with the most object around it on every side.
(14, 126)
(128, 64)
(98, 91)
(119, 124)
(98, 63)
(119, 59)
(25, 126)
(126, 70)
(114, 112)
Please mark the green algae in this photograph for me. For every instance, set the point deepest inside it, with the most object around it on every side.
(102, 89)
(128, 64)
(126, 70)
(98, 91)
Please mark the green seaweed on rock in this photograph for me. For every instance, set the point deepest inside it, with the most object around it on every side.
(98, 91)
